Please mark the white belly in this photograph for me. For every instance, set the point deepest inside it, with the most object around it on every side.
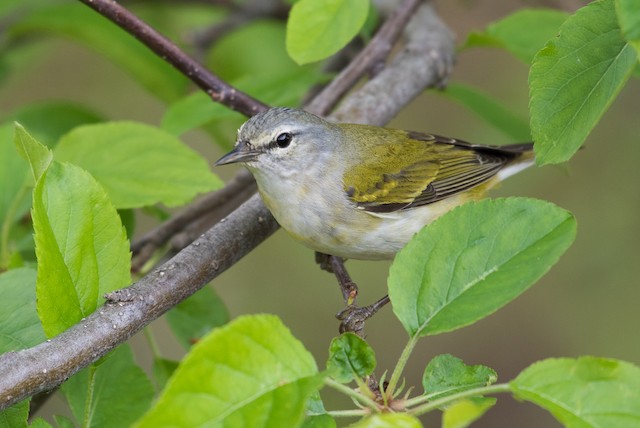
(346, 231)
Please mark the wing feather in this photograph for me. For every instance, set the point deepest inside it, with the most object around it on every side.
(422, 169)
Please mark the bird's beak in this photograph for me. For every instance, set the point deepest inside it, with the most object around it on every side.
(242, 152)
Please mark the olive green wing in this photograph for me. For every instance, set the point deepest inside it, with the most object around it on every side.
(423, 169)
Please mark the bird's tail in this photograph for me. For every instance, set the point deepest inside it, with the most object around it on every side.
(523, 158)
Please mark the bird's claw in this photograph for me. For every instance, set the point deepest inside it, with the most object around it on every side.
(324, 261)
(353, 318)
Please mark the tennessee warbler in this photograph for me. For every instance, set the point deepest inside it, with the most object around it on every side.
(359, 191)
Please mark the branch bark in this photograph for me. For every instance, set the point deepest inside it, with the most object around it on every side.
(214, 205)
(425, 62)
(369, 59)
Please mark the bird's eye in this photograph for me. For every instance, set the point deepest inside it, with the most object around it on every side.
(283, 140)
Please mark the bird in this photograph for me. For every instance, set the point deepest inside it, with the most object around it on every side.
(359, 191)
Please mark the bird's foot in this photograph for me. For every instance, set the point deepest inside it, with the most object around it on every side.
(324, 261)
(353, 317)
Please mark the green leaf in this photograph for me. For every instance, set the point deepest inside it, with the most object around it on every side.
(193, 111)
(128, 219)
(446, 375)
(315, 404)
(63, 421)
(15, 416)
(198, 109)
(574, 79)
(23, 245)
(48, 121)
(156, 212)
(317, 29)
(81, 246)
(162, 370)
(317, 416)
(251, 372)
(40, 423)
(475, 259)
(138, 164)
(629, 19)
(38, 155)
(19, 324)
(370, 24)
(16, 57)
(388, 420)
(463, 412)
(13, 172)
(8, 7)
(319, 421)
(180, 21)
(14, 200)
(113, 393)
(540, 24)
(350, 357)
(583, 392)
(269, 57)
(196, 316)
(491, 111)
(85, 26)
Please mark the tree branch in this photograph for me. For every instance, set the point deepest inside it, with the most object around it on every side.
(214, 205)
(426, 61)
(45, 366)
(217, 89)
(372, 56)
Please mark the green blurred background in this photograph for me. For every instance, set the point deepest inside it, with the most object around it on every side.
(586, 305)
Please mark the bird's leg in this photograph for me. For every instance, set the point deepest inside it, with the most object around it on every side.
(335, 265)
(352, 317)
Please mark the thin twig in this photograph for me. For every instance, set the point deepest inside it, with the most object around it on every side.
(201, 224)
(356, 395)
(217, 89)
(214, 204)
(368, 59)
